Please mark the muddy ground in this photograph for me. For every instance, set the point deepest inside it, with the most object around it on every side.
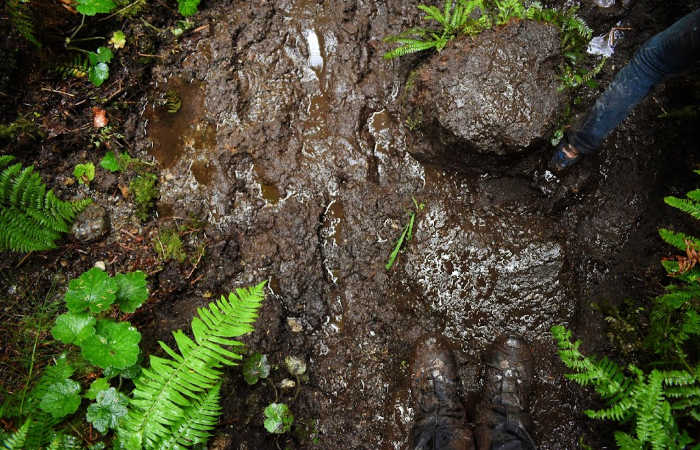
(298, 165)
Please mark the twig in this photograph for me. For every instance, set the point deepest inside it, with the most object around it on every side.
(58, 92)
(197, 263)
(150, 56)
(23, 259)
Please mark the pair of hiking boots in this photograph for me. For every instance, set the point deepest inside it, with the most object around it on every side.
(501, 418)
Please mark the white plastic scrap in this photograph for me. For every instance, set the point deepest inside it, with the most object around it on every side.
(600, 45)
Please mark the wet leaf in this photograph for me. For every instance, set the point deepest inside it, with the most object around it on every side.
(98, 74)
(118, 39)
(295, 366)
(99, 117)
(278, 418)
(92, 7)
(115, 344)
(107, 411)
(97, 386)
(109, 162)
(132, 290)
(187, 7)
(73, 328)
(85, 173)
(61, 399)
(131, 372)
(94, 290)
(255, 367)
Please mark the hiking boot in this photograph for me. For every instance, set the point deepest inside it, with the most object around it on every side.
(440, 421)
(566, 156)
(501, 417)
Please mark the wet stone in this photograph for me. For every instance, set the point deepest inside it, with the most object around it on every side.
(496, 92)
(91, 224)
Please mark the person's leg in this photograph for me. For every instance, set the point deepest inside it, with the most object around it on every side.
(502, 419)
(440, 418)
(670, 52)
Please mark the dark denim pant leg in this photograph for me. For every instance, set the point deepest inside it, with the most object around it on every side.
(672, 51)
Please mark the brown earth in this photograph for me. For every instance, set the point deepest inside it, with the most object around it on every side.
(299, 163)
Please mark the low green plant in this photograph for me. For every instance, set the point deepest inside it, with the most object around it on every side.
(178, 396)
(85, 173)
(92, 7)
(144, 190)
(104, 342)
(457, 18)
(278, 418)
(118, 40)
(661, 405)
(21, 19)
(649, 402)
(255, 368)
(116, 161)
(173, 103)
(168, 245)
(174, 403)
(24, 125)
(406, 234)
(187, 7)
(31, 218)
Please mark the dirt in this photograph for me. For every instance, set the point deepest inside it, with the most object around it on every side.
(292, 150)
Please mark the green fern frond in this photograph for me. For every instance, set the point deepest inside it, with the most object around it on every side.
(164, 393)
(78, 67)
(21, 19)
(30, 217)
(677, 239)
(627, 442)
(686, 205)
(17, 440)
(197, 421)
(409, 46)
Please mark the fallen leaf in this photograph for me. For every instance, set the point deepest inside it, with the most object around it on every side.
(99, 118)
(125, 190)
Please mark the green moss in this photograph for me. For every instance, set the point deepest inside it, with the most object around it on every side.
(144, 189)
(168, 245)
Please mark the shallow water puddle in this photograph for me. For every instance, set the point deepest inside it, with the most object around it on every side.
(169, 131)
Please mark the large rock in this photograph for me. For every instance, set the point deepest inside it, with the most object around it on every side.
(496, 92)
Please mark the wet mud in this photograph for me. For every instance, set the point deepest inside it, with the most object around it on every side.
(293, 147)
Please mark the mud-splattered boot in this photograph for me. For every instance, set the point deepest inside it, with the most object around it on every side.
(440, 422)
(502, 420)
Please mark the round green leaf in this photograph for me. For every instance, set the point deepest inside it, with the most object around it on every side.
(255, 367)
(278, 418)
(132, 290)
(97, 386)
(61, 399)
(118, 39)
(98, 73)
(115, 344)
(94, 290)
(109, 162)
(85, 173)
(109, 408)
(104, 54)
(71, 328)
(92, 7)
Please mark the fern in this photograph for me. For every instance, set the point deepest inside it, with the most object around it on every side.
(197, 421)
(648, 401)
(164, 394)
(30, 217)
(78, 67)
(21, 19)
(18, 438)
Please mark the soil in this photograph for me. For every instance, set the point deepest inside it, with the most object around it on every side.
(290, 160)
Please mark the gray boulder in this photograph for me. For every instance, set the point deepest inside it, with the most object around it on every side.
(91, 224)
(496, 92)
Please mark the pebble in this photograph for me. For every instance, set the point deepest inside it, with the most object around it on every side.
(287, 384)
(294, 325)
(101, 265)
